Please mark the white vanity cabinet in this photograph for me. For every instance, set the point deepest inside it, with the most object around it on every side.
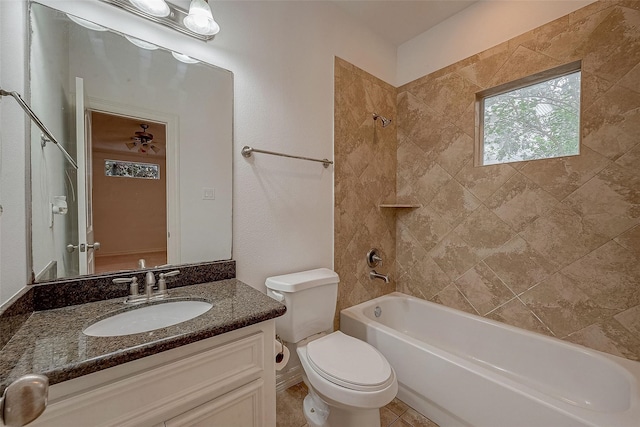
(227, 380)
(240, 408)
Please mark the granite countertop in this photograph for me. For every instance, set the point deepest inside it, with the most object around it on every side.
(51, 342)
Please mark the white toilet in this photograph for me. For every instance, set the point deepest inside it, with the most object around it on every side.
(348, 379)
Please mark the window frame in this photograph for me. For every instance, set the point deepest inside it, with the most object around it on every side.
(552, 73)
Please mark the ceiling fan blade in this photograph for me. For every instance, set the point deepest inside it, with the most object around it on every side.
(131, 145)
(154, 148)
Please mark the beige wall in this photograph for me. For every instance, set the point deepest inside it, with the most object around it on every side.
(365, 169)
(129, 214)
(552, 246)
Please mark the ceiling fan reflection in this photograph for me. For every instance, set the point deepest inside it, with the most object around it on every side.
(143, 141)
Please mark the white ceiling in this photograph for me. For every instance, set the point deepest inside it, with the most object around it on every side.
(399, 20)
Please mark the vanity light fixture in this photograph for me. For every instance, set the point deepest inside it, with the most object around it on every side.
(198, 22)
(158, 8)
(200, 19)
(184, 58)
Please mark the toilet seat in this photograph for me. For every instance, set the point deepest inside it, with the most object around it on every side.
(349, 362)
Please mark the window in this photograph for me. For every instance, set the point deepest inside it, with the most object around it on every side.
(537, 117)
(131, 169)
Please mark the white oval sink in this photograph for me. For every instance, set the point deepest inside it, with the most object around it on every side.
(147, 318)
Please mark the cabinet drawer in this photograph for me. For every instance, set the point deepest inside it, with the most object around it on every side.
(157, 394)
(239, 408)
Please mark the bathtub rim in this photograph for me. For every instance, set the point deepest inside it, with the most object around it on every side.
(630, 369)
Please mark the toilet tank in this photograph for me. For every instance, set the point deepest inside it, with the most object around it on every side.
(310, 297)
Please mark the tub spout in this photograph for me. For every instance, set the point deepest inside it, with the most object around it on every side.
(375, 275)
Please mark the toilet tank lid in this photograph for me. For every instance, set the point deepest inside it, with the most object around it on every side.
(302, 280)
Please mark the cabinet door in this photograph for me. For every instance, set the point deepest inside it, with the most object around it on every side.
(164, 391)
(242, 407)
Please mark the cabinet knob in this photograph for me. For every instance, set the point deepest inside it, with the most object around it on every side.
(24, 400)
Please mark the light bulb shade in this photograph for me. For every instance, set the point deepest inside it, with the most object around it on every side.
(141, 43)
(87, 24)
(157, 8)
(200, 20)
(184, 58)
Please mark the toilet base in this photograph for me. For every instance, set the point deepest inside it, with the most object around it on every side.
(315, 411)
(319, 414)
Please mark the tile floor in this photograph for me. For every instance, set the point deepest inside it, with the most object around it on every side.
(395, 414)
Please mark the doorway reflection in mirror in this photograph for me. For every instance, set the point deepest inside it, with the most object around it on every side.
(138, 230)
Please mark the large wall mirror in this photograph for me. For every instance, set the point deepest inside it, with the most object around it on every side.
(151, 131)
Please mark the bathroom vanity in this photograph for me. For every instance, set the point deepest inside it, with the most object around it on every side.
(215, 369)
(227, 380)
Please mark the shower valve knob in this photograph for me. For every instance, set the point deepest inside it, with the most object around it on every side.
(373, 258)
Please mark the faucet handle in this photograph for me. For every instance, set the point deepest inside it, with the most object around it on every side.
(133, 288)
(124, 280)
(170, 274)
(162, 283)
(373, 258)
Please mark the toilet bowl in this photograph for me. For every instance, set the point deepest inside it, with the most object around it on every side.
(350, 376)
(348, 379)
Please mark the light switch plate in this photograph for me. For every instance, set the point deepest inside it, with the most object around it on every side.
(208, 194)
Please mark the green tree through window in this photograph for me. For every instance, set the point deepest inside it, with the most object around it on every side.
(533, 122)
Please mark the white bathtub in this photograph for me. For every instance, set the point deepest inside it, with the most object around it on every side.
(464, 370)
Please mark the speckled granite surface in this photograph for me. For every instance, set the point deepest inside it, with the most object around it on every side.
(14, 313)
(81, 290)
(51, 342)
(85, 289)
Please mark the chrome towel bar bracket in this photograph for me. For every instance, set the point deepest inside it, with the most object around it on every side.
(47, 134)
(247, 151)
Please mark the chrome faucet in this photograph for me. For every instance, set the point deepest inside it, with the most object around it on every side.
(373, 258)
(375, 275)
(149, 283)
(134, 297)
(149, 287)
(162, 283)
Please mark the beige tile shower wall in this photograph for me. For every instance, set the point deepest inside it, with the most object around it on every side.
(365, 176)
(552, 246)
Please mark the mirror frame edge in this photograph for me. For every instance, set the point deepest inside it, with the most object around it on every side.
(31, 276)
(28, 4)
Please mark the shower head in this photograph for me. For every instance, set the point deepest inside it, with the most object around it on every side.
(385, 122)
